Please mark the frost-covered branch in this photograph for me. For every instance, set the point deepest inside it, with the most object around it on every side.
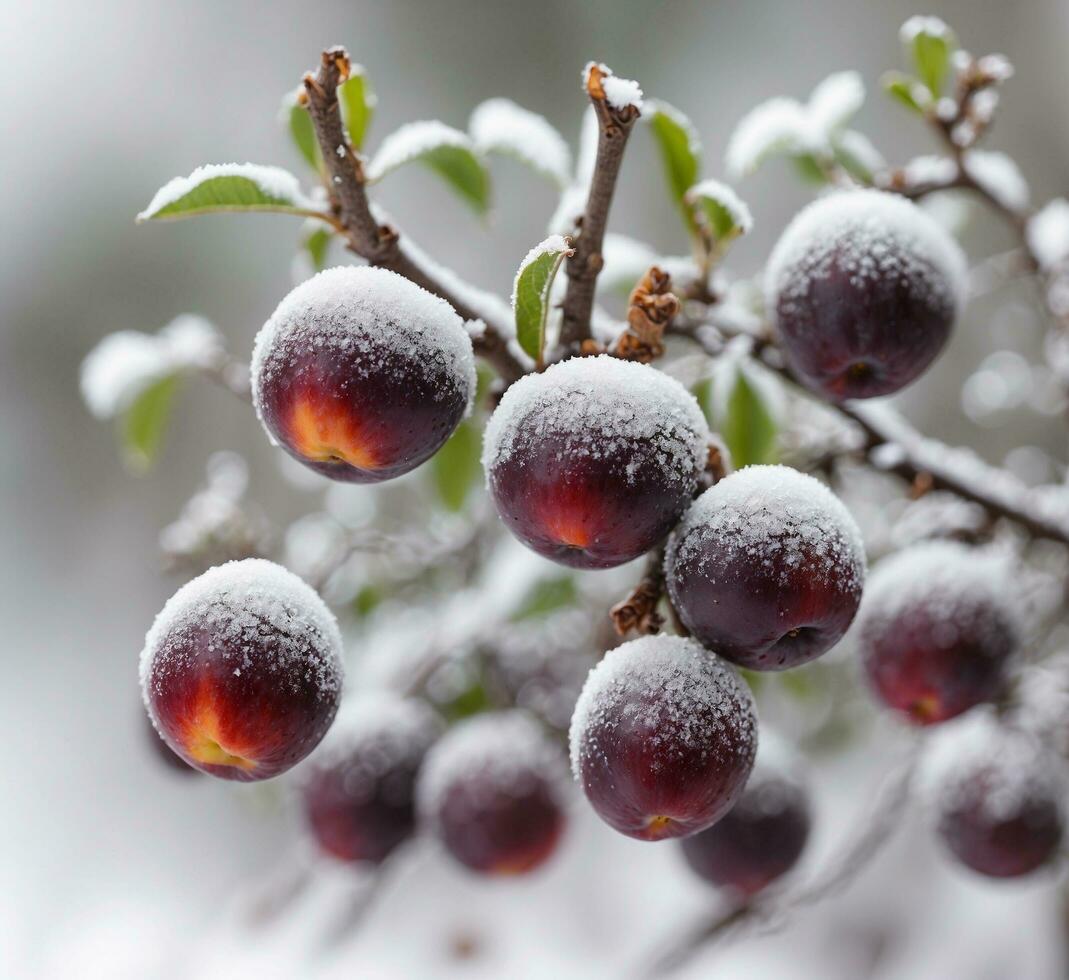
(892, 445)
(380, 243)
(617, 103)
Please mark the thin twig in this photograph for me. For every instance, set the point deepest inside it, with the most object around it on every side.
(380, 243)
(638, 610)
(614, 127)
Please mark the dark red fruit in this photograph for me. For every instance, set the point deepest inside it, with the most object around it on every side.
(492, 791)
(767, 568)
(663, 737)
(761, 837)
(938, 631)
(241, 672)
(865, 287)
(359, 788)
(592, 462)
(362, 375)
(1001, 816)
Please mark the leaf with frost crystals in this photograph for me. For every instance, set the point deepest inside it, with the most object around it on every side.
(785, 127)
(680, 149)
(502, 126)
(930, 45)
(835, 101)
(133, 376)
(1047, 232)
(357, 103)
(530, 293)
(447, 151)
(725, 213)
(229, 187)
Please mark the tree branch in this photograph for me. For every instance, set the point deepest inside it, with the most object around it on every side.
(614, 127)
(892, 445)
(380, 243)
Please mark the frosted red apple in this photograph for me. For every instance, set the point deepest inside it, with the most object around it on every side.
(663, 737)
(241, 672)
(766, 568)
(938, 630)
(592, 462)
(492, 791)
(864, 288)
(362, 375)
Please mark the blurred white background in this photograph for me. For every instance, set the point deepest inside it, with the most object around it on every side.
(112, 867)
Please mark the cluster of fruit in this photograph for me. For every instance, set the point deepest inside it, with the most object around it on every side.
(362, 375)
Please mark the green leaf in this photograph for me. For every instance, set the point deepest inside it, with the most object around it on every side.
(366, 601)
(145, 422)
(680, 149)
(316, 242)
(447, 151)
(744, 415)
(546, 596)
(906, 90)
(299, 123)
(357, 105)
(726, 215)
(229, 187)
(456, 467)
(930, 44)
(857, 156)
(809, 168)
(502, 126)
(530, 292)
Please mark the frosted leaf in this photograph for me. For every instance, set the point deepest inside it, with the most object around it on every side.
(375, 312)
(127, 362)
(692, 697)
(278, 187)
(374, 735)
(1048, 233)
(602, 406)
(774, 515)
(620, 93)
(491, 755)
(726, 198)
(236, 603)
(779, 125)
(835, 101)
(999, 176)
(502, 126)
(873, 235)
(948, 579)
(412, 141)
(921, 24)
(782, 125)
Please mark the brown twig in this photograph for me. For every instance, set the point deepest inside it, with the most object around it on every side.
(614, 127)
(380, 243)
